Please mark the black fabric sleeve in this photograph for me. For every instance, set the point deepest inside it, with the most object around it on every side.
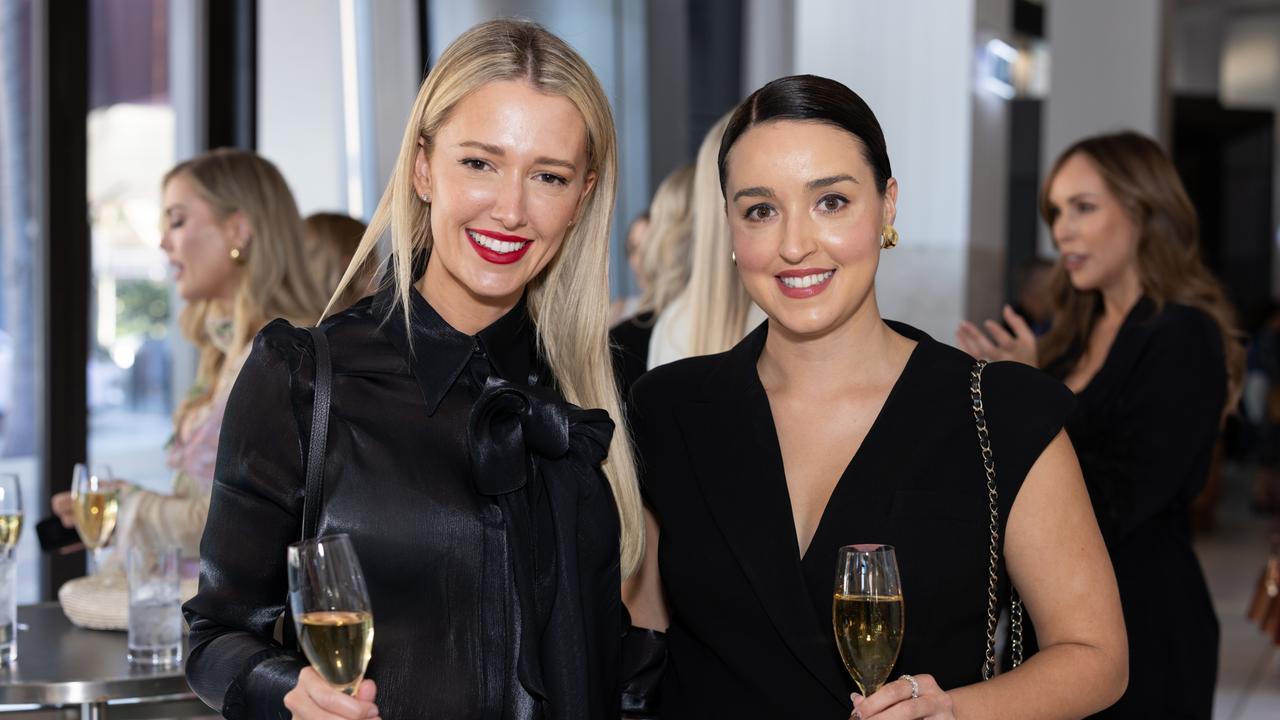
(644, 650)
(1149, 451)
(1026, 409)
(234, 665)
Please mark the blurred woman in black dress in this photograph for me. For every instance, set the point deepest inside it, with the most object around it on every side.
(829, 426)
(1144, 336)
(492, 545)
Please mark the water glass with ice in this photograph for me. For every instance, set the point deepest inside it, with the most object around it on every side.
(155, 613)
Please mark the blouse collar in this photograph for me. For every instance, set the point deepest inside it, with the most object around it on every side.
(439, 353)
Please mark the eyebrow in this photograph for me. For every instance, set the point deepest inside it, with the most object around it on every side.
(1080, 196)
(495, 150)
(829, 181)
(757, 191)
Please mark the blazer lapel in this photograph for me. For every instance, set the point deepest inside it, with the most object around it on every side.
(743, 481)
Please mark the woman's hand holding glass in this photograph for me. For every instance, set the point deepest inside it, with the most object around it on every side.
(997, 343)
(904, 699)
(314, 697)
(334, 622)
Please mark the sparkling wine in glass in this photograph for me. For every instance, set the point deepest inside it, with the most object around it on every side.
(10, 512)
(867, 613)
(96, 499)
(331, 609)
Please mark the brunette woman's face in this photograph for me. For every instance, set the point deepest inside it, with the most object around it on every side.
(199, 245)
(1094, 233)
(806, 217)
(506, 175)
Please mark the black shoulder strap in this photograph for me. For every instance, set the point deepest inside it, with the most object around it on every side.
(319, 435)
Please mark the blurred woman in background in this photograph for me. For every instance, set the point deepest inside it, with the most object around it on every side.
(637, 233)
(1144, 335)
(234, 237)
(713, 313)
(332, 239)
(663, 270)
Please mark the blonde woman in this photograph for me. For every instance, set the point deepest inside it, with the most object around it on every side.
(713, 313)
(663, 271)
(234, 237)
(332, 239)
(458, 461)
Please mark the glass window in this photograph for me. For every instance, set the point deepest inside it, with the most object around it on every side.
(21, 321)
(131, 146)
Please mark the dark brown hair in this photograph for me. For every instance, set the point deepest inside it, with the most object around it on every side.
(814, 98)
(1141, 177)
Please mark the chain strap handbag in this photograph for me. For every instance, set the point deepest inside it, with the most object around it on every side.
(989, 665)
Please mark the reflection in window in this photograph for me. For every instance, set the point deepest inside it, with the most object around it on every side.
(131, 146)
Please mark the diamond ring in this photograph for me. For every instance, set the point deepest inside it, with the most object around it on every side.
(915, 686)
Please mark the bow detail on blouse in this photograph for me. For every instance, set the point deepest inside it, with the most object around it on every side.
(539, 458)
(513, 424)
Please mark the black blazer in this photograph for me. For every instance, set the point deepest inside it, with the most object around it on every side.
(1144, 429)
(750, 632)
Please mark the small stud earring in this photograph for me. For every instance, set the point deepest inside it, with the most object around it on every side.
(733, 257)
(425, 198)
(236, 256)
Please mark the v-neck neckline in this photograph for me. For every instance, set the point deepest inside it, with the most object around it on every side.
(1140, 311)
(875, 429)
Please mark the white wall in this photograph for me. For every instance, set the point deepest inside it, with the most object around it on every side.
(912, 63)
(1106, 73)
(300, 125)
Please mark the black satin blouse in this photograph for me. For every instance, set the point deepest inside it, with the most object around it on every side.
(435, 546)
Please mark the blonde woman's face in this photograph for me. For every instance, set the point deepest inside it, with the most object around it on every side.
(1094, 234)
(199, 245)
(805, 218)
(506, 175)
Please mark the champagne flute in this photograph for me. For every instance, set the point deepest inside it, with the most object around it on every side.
(96, 500)
(331, 609)
(867, 613)
(10, 512)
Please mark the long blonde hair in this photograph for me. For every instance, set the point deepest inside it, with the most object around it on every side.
(273, 281)
(569, 300)
(1140, 175)
(664, 259)
(718, 301)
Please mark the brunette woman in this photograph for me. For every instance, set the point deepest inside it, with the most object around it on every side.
(829, 426)
(1145, 338)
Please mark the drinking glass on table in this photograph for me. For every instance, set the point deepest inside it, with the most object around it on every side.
(331, 609)
(867, 613)
(96, 497)
(155, 605)
(10, 531)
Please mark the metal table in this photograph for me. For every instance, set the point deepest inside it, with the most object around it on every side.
(85, 672)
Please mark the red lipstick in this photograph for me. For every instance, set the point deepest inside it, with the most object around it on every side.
(495, 256)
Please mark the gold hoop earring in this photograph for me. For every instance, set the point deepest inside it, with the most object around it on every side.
(237, 256)
(888, 237)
